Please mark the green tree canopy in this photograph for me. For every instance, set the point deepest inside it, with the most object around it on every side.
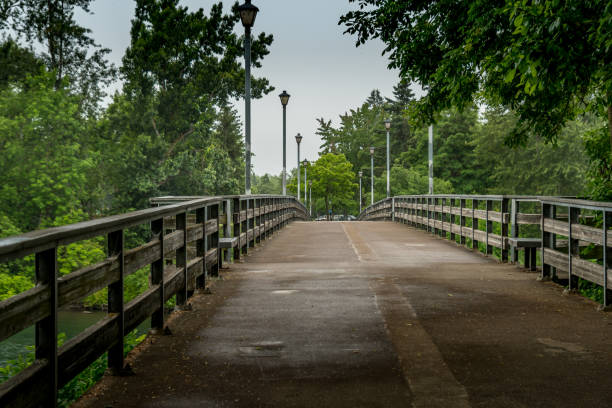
(69, 49)
(333, 179)
(546, 60)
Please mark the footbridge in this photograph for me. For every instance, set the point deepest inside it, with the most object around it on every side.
(429, 307)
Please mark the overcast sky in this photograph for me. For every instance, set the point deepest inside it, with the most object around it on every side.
(320, 67)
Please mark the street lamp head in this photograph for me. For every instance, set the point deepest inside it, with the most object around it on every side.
(360, 173)
(310, 183)
(388, 124)
(298, 138)
(305, 162)
(248, 12)
(284, 98)
(372, 150)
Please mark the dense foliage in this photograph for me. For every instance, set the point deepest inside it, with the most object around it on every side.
(171, 130)
(469, 152)
(547, 60)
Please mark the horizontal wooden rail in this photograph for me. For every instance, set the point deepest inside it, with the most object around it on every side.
(577, 224)
(564, 226)
(182, 252)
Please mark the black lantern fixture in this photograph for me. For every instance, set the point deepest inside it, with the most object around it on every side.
(284, 98)
(248, 12)
(298, 139)
(387, 124)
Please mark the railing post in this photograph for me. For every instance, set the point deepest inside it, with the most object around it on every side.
(607, 259)
(258, 220)
(393, 209)
(214, 238)
(504, 230)
(514, 229)
(461, 221)
(237, 227)
(157, 275)
(573, 247)
(489, 226)
(244, 206)
(115, 302)
(429, 229)
(181, 261)
(452, 221)
(442, 202)
(46, 329)
(201, 247)
(547, 240)
(474, 225)
(227, 233)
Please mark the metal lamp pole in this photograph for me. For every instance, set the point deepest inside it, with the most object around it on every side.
(360, 175)
(284, 97)
(372, 175)
(298, 139)
(431, 180)
(388, 126)
(248, 12)
(310, 198)
(305, 181)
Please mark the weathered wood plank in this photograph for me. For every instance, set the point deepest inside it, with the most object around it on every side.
(579, 231)
(211, 257)
(212, 226)
(26, 389)
(589, 234)
(140, 308)
(173, 281)
(142, 256)
(195, 269)
(556, 226)
(587, 270)
(194, 232)
(528, 218)
(86, 281)
(82, 350)
(23, 310)
(173, 241)
(38, 241)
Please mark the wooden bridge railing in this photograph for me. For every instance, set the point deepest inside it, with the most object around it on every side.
(496, 221)
(174, 270)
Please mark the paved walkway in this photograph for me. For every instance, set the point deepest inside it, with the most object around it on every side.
(357, 314)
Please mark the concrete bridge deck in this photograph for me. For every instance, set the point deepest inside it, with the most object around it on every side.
(365, 314)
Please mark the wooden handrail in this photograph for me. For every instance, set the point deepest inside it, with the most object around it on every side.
(437, 214)
(55, 366)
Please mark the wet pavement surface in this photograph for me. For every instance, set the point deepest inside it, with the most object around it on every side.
(372, 314)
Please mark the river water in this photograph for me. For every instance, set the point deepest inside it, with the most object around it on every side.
(69, 322)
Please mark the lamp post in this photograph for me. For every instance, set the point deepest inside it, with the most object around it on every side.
(360, 175)
(372, 175)
(310, 198)
(298, 139)
(431, 180)
(305, 181)
(388, 126)
(248, 12)
(284, 98)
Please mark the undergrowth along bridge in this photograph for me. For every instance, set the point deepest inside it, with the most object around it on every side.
(342, 314)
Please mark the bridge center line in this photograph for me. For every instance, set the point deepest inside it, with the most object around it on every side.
(430, 380)
(361, 248)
